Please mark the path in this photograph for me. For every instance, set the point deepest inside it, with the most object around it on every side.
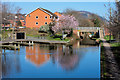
(113, 66)
(35, 40)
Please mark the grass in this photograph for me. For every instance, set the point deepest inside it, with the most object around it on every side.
(107, 37)
(115, 44)
(58, 35)
(57, 39)
(105, 74)
(103, 65)
(115, 47)
(97, 39)
(5, 34)
(32, 35)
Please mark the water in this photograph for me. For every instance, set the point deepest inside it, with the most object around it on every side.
(52, 61)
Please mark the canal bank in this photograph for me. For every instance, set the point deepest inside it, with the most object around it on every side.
(109, 66)
(11, 44)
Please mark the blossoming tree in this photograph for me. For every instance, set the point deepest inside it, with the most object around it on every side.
(65, 24)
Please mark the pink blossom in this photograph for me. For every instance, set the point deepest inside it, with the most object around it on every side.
(65, 22)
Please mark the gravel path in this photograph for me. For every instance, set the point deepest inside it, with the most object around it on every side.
(113, 66)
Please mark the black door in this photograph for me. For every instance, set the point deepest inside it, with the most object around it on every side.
(20, 35)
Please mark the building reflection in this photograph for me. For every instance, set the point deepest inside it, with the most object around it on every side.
(64, 55)
(38, 54)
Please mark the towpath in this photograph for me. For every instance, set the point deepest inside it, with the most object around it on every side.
(110, 59)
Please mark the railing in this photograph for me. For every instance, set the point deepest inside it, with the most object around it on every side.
(40, 37)
(88, 28)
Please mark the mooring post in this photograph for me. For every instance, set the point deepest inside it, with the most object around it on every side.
(32, 42)
(4, 50)
(18, 46)
(0, 51)
(29, 42)
(15, 47)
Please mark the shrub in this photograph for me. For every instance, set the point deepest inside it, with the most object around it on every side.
(44, 28)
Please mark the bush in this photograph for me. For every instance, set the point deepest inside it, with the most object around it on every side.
(44, 28)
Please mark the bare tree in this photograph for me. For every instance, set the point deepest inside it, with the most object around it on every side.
(9, 14)
(114, 20)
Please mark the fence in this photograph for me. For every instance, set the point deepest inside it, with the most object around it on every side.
(39, 37)
(88, 28)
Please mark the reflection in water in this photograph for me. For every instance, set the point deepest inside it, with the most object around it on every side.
(10, 62)
(36, 54)
(66, 58)
(39, 54)
(59, 58)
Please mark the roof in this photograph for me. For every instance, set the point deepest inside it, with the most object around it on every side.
(46, 11)
(58, 13)
(5, 22)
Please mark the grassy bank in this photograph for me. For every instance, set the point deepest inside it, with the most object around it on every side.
(107, 37)
(115, 44)
(57, 39)
(6, 34)
(31, 35)
(104, 64)
(115, 47)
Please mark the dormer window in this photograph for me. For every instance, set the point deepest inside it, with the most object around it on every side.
(36, 17)
(45, 17)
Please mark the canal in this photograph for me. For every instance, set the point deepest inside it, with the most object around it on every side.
(52, 61)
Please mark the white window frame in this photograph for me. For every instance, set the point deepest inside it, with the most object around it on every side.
(45, 17)
(36, 16)
(50, 17)
(45, 23)
(36, 22)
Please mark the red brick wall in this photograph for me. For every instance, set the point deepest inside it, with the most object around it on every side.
(31, 21)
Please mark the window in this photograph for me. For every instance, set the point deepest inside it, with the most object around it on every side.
(50, 17)
(56, 17)
(82, 32)
(29, 15)
(45, 17)
(36, 23)
(45, 22)
(36, 17)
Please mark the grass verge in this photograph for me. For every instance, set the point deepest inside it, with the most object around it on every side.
(57, 39)
(107, 37)
(115, 47)
(115, 44)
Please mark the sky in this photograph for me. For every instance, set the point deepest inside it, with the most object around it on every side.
(58, 0)
(94, 7)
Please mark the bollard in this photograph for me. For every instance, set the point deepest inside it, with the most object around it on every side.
(15, 47)
(29, 42)
(4, 50)
(32, 42)
(21, 41)
(18, 46)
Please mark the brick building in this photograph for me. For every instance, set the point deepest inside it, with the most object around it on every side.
(40, 17)
(12, 20)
